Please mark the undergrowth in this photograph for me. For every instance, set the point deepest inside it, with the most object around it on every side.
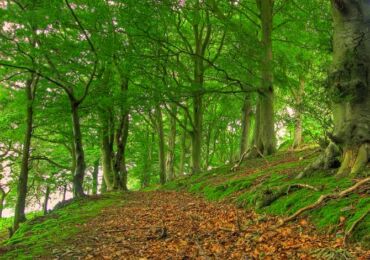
(244, 187)
(36, 236)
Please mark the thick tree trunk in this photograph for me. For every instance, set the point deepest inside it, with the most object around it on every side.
(350, 83)
(19, 212)
(298, 96)
(79, 173)
(46, 200)
(246, 120)
(161, 145)
(170, 162)
(266, 140)
(95, 174)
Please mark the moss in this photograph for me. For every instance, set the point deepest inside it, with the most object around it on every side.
(36, 236)
(256, 176)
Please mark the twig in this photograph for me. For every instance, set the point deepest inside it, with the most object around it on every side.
(302, 185)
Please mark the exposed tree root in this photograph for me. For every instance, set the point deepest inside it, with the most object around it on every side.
(355, 160)
(269, 196)
(237, 165)
(348, 233)
(250, 153)
(324, 198)
(329, 159)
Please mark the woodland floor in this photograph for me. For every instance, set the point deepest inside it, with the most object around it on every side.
(177, 225)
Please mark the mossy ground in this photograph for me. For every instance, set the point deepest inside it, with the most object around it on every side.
(38, 235)
(245, 185)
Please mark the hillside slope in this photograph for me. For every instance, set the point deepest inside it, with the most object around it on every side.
(268, 185)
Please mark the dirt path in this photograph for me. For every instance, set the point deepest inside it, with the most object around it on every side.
(169, 225)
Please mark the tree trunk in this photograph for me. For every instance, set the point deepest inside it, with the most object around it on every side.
(79, 173)
(162, 155)
(107, 155)
(147, 159)
(170, 162)
(95, 174)
(183, 148)
(120, 160)
(19, 212)
(46, 200)
(350, 83)
(246, 120)
(208, 145)
(298, 96)
(2, 201)
(197, 133)
(64, 192)
(266, 139)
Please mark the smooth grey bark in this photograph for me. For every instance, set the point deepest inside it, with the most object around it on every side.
(19, 212)
(350, 83)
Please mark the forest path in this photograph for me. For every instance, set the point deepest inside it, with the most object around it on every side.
(172, 225)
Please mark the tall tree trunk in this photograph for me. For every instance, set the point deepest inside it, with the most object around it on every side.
(350, 83)
(170, 162)
(246, 120)
(208, 145)
(120, 160)
(266, 141)
(184, 149)
(19, 212)
(107, 153)
(298, 96)
(162, 154)
(147, 159)
(46, 200)
(95, 174)
(79, 173)
(197, 133)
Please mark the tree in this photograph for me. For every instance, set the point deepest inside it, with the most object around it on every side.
(349, 83)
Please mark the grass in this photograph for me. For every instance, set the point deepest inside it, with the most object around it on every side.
(35, 237)
(245, 188)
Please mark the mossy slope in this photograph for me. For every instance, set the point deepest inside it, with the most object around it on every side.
(37, 236)
(245, 187)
